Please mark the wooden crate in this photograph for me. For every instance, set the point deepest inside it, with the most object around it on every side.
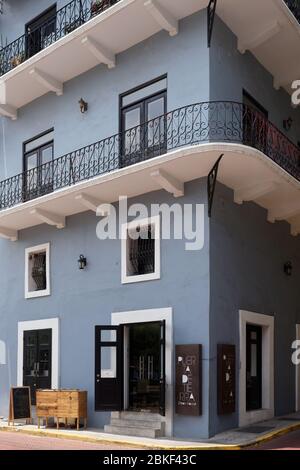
(62, 404)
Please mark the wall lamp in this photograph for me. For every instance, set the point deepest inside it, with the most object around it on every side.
(83, 105)
(82, 262)
(288, 268)
(287, 124)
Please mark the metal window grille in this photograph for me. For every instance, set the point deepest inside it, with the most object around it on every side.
(1, 6)
(141, 252)
(38, 270)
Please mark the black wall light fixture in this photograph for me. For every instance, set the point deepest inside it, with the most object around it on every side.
(83, 105)
(288, 268)
(82, 262)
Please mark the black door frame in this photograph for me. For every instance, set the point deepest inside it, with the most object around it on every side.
(38, 20)
(254, 386)
(35, 382)
(123, 359)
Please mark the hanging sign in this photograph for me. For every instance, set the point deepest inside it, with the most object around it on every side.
(226, 379)
(188, 400)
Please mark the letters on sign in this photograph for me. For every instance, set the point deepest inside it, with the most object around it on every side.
(226, 379)
(189, 380)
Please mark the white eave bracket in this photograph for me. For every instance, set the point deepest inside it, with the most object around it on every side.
(49, 82)
(163, 17)
(168, 182)
(102, 54)
(49, 218)
(254, 192)
(8, 111)
(9, 234)
(284, 212)
(255, 41)
(99, 207)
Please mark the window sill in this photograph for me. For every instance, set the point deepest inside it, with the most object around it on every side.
(140, 278)
(35, 294)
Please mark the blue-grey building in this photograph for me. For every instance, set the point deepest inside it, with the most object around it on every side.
(167, 102)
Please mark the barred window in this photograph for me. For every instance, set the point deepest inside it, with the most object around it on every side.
(37, 271)
(141, 251)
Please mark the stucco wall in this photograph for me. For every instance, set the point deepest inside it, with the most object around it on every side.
(247, 255)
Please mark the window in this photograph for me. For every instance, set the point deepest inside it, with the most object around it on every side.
(40, 32)
(37, 269)
(141, 250)
(143, 123)
(38, 156)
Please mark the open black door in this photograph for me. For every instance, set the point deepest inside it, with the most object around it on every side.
(162, 405)
(108, 368)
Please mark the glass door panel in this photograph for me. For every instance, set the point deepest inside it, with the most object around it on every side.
(155, 109)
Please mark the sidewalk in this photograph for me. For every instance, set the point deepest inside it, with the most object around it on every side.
(229, 440)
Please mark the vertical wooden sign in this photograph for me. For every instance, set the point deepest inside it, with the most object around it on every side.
(188, 399)
(226, 379)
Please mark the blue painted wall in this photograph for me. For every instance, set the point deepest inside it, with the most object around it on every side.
(83, 299)
(247, 255)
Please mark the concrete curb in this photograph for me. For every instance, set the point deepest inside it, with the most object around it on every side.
(155, 446)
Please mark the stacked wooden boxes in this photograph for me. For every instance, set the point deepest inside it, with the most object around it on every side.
(61, 404)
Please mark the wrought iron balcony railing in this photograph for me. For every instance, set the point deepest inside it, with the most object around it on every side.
(191, 125)
(63, 22)
(294, 6)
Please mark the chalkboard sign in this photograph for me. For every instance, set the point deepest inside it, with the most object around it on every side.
(20, 403)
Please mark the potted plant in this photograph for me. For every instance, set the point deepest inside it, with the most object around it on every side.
(97, 6)
(17, 60)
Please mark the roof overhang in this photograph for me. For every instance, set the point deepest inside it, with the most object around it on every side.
(252, 176)
(270, 31)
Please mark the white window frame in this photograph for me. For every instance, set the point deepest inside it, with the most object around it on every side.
(45, 324)
(28, 251)
(267, 411)
(155, 221)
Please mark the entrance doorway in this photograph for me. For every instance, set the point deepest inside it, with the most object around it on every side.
(253, 367)
(37, 360)
(144, 367)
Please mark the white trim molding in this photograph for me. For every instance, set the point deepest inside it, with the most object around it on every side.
(49, 323)
(267, 410)
(127, 278)
(29, 294)
(153, 315)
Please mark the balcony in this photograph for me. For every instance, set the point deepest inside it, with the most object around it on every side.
(76, 39)
(67, 19)
(212, 127)
(294, 6)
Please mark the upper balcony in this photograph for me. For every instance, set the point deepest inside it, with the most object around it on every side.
(259, 164)
(75, 39)
(85, 33)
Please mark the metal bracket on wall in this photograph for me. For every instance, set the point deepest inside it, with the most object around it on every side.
(211, 184)
(211, 12)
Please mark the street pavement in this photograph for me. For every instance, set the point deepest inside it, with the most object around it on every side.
(290, 441)
(18, 441)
